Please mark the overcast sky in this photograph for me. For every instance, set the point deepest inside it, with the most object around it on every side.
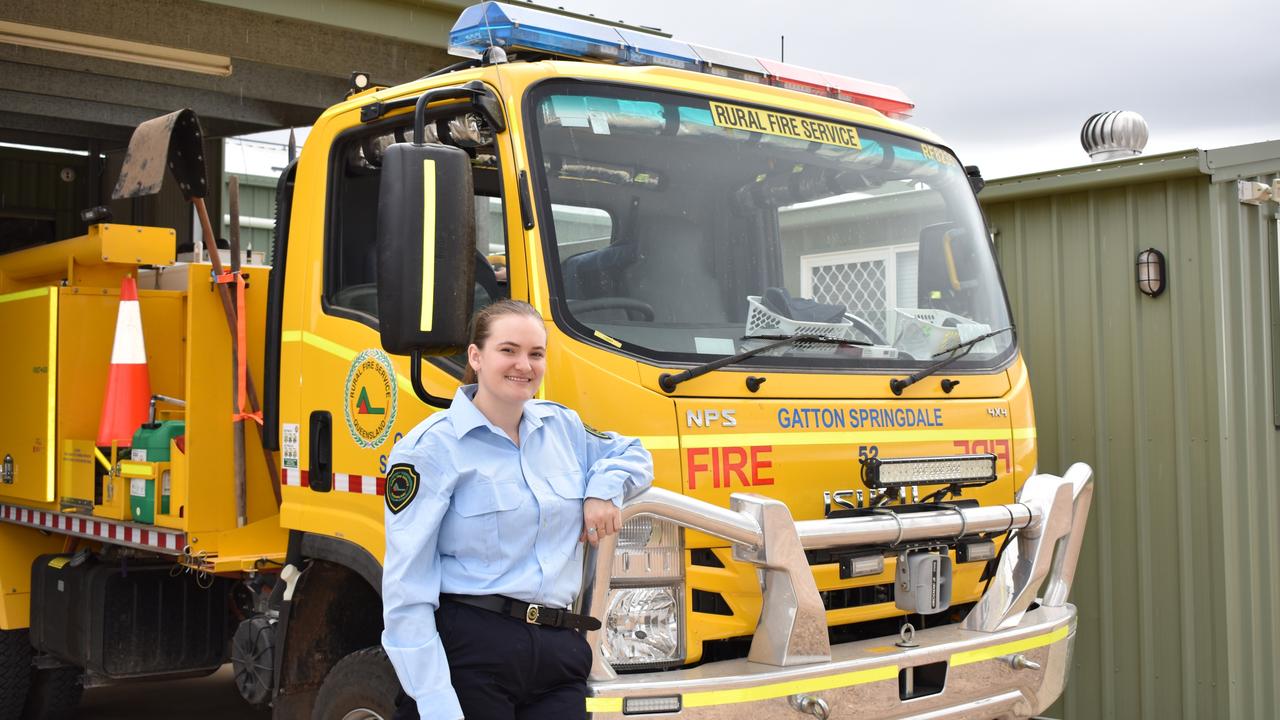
(1008, 83)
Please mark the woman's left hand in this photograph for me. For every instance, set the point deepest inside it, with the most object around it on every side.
(599, 518)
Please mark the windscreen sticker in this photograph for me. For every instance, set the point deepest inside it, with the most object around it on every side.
(938, 155)
(792, 126)
(599, 123)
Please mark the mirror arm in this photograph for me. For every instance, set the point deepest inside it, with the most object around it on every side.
(415, 376)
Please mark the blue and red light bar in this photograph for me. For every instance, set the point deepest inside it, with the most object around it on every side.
(519, 27)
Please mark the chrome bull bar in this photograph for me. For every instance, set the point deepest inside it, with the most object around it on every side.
(1049, 518)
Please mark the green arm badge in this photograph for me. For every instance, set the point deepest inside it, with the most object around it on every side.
(402, 486)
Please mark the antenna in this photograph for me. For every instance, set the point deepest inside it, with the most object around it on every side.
(783, 40)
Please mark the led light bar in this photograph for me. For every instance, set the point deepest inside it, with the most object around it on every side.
(516, 27)
(651, 705)
(963, 470)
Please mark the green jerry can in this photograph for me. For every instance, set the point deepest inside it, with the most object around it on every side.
(151, 445)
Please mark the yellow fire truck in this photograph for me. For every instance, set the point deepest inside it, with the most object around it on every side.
(761, 270)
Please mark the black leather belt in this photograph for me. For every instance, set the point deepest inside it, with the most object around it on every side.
(529, 612)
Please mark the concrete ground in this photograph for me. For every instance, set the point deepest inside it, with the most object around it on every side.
(207, 698)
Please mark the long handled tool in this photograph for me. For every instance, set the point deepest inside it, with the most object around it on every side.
(238, 366)
(175, 141)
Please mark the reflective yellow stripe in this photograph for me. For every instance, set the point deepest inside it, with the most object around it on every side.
(604, 705)
(336, 350)
(428, 243)
(25, 294)
(763, 692)
(659, 442)
(135, 469)
(768, 692)
(843, 437)
(608, 339)
(1017, 646)
(1027, 433)
(52, 390)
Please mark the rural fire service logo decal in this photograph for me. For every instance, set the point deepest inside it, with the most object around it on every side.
(402, 485)
(371, 398)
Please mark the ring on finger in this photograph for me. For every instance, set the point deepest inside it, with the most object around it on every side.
(592, 531)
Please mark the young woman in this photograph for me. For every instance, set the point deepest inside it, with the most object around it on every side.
(488, 504)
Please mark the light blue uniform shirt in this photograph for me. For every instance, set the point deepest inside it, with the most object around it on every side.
(490, 518)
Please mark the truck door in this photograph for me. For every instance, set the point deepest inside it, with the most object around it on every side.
(355, 400)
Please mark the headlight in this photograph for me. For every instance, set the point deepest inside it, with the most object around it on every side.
(642, 626)
(644, 616)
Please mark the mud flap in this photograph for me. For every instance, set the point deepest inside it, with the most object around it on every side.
(174, 141)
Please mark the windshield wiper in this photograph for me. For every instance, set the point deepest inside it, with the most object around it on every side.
(669, 381)
(897, 385)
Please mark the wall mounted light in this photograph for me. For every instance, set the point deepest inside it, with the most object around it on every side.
(1152, 276)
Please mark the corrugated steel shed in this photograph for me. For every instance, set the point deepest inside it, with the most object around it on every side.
(1173, 401)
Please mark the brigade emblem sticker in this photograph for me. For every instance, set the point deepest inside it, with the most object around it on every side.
(402, 485)
(370, 396)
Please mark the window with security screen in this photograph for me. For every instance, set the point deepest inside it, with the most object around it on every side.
(867, 282)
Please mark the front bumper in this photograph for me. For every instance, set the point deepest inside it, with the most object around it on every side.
(865, 679)
(1007, 659)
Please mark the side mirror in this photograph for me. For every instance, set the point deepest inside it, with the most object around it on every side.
(975, 178)
(426, 245)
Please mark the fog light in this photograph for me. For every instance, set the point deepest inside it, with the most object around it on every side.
(976, 551)
(861, 566)
(649, 705)
(642, 626)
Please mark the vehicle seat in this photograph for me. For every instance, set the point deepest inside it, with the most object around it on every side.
(674, 273)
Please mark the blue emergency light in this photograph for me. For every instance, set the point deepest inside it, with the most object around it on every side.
(513, 27)
(528, 28)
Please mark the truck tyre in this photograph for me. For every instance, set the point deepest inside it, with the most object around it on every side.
(362, 686)
(15, 672)
(54, 695)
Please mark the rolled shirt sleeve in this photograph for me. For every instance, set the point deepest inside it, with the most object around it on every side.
(615, 465)
(411, 586)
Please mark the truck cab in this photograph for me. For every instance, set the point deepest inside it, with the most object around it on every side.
(783, 289)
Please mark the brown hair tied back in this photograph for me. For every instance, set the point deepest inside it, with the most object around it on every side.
(482, 324)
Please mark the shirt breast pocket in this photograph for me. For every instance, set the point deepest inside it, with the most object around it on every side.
(569, 489)
(470, 529)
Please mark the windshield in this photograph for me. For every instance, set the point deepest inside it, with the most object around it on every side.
(688, 228)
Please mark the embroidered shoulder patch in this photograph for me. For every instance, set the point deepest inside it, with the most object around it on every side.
(592, 431)
(402, 486)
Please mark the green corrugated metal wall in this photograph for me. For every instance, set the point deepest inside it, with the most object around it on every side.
(1169, 400)
(1246, 262)
(257, 200)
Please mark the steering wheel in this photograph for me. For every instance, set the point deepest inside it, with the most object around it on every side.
(362, 297)
(631, 306)
(866, 328)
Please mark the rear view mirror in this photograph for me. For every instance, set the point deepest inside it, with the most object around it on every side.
(426, 249)
(946, 267)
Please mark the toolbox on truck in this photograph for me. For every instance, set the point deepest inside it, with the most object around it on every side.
(130, 618)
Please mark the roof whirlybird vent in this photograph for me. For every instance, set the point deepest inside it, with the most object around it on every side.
(1114, 134)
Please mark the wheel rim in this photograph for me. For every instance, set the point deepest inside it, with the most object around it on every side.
(362, 714)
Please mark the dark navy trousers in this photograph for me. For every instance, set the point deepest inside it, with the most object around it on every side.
(506, 669)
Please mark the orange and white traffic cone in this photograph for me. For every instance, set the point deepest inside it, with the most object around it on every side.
(127, 402)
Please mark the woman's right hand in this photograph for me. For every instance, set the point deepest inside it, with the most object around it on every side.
(600, 518)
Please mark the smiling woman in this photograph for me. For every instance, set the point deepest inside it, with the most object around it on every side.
(488, 506)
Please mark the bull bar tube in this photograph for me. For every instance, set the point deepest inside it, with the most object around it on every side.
(1005, 660)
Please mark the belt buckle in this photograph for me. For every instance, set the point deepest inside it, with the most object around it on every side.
(531, 614)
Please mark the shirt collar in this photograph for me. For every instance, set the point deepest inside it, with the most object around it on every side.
(465, 416)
